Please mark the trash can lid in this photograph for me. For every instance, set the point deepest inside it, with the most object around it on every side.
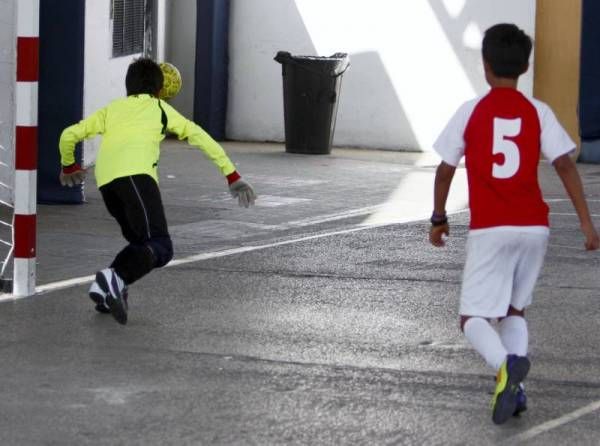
(333, 65)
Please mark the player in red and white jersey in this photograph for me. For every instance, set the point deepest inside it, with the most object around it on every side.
(502, 136)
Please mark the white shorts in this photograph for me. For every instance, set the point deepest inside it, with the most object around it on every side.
(501, 269)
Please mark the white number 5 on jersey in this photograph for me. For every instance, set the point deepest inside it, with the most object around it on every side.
(504, 128)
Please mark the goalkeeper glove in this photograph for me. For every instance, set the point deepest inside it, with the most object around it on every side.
(72, 175)
(241, 190)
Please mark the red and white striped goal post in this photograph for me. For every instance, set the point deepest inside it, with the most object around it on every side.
(26, 148)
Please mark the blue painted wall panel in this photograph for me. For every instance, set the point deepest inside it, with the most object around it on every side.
(62, 38)
(211, 69)
(589, 92)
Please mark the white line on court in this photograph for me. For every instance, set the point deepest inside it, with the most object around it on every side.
(59, 285)
(552, 424)
(54, 286)
(332, 217)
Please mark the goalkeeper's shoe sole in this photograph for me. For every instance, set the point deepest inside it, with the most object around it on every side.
(511, 373)
(115, 290)
(99, 298)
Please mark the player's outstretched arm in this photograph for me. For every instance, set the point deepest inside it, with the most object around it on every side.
(567, 171)
(439, 222)
(71, 173)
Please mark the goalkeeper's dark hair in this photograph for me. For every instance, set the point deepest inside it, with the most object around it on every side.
(144, 76)
(506, 48)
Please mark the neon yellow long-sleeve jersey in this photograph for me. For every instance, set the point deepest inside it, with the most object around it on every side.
(132, 129)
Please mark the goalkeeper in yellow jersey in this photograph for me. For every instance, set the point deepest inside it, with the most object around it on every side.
(126, 173)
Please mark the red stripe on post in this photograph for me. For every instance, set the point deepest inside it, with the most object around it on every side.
(24, 228)
(28, 50)
(26, 142)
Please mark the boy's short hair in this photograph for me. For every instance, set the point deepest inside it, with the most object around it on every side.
(506, 49)
(144, 76)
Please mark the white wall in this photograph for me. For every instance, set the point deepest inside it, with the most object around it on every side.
(7, 98)
(412, 63)
(180, 50)
(104, 76)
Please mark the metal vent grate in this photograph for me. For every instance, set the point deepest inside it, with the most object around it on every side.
(128, 26)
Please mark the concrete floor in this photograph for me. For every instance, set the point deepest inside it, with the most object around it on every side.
(292, 322)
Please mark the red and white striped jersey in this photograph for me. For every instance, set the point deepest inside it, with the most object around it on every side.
(501, 136)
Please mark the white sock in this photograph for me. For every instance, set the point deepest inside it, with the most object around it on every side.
(514, 335)
(486, 341)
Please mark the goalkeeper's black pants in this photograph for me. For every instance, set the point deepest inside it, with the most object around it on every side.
(135, 203)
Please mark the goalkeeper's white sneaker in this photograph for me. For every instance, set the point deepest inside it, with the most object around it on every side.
(116, 293)
(99, 297)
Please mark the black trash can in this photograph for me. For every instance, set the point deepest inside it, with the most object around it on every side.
(311, 87)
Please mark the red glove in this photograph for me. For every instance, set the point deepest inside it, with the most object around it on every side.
(72, 175)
